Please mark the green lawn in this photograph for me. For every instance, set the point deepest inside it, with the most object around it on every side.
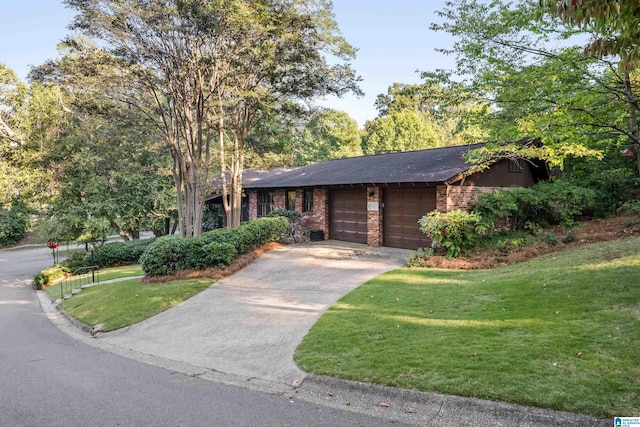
(561, 331)
(121, 304)
(101, 275)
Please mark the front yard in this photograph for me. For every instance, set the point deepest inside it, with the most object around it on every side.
(561, 331)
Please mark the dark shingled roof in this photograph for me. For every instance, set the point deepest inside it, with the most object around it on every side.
(433, 165)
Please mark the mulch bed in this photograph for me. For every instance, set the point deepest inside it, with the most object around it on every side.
(588, 231)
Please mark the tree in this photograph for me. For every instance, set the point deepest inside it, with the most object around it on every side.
(206, 70)
(614, 26)
(457, 121)
(329, 134)
(400, 131)
(537, 82)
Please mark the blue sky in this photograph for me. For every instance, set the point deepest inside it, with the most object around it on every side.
(392, 36)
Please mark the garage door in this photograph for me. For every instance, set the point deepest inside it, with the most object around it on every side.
(348, 213)
(403, 208)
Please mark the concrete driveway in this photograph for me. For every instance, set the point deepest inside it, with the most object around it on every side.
(249, 324)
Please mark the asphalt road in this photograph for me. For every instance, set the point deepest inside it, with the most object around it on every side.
(48, 378)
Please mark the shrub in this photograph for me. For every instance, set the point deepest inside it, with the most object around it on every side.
(455, 230)
(75, 261)
(294, 221)
(418, 258)
(48, 275)
(565, 201)
(220, 254)
(121, 252)
(214, 248)
(531, 209)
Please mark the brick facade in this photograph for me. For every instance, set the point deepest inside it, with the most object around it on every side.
(461, 196)
(447, 198)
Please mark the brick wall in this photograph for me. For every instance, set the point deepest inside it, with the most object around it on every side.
(319, 218)
(253, 204)
(441, 198)
(463, 196)
(374, 217)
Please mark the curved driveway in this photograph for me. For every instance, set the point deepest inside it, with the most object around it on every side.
(249, 324)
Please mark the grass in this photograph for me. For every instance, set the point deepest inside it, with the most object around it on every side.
(103, 275)
(561, 331)
(121, 304)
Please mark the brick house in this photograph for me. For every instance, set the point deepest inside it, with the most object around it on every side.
(377, 200)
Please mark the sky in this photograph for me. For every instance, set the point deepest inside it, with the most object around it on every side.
(392, 37)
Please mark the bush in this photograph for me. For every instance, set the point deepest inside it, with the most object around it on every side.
(455, 230)
(294, 221)
(14, 219)
(418, 258)
(48, 275)
(120, 253)
(215, 248)
(531, 209)
(75, 261)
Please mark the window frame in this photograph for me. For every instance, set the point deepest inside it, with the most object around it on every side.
(265, 203)
(307, 200)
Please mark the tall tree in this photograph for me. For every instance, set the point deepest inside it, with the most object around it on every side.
(403, 130)
(614, 26)
(536, 82)
(329, 134)
(456, 120)
(205, 70)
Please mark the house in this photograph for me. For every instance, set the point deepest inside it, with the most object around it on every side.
(377, 200)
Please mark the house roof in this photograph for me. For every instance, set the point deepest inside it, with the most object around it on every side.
(432, 165)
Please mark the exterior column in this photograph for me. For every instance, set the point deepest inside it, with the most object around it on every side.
(374, 217)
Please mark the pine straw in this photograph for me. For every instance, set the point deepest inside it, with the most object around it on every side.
(591, 231)
(215, 273)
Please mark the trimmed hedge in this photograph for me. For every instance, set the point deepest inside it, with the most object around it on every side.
(215, 248)
(120, 252)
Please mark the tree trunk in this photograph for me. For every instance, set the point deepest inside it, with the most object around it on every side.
(633, 117)
(121, 232)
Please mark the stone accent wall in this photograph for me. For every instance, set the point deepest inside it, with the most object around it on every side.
(253, 204)
(463, 196)
(374, 217)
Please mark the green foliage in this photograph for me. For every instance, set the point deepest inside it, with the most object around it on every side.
(549, 238)
(400, 131)
(76, 260)
(215, 248)
(211, 217)
(417, 258)
(531, 209)
(48, 275)
(565, 201)
(454, 231)
(14, 219)
(329, 134)
(118, 253)
(294, 220)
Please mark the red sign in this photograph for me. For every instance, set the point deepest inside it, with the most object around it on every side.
(51, 244)
(627, 152)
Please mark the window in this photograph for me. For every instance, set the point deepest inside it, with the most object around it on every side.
(307, 201)
(291, 200)
(515, 166)
(265, 203)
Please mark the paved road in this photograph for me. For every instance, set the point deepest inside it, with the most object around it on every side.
(48, 378)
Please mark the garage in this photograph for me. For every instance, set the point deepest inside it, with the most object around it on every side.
(403, 207)
(348, 215)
